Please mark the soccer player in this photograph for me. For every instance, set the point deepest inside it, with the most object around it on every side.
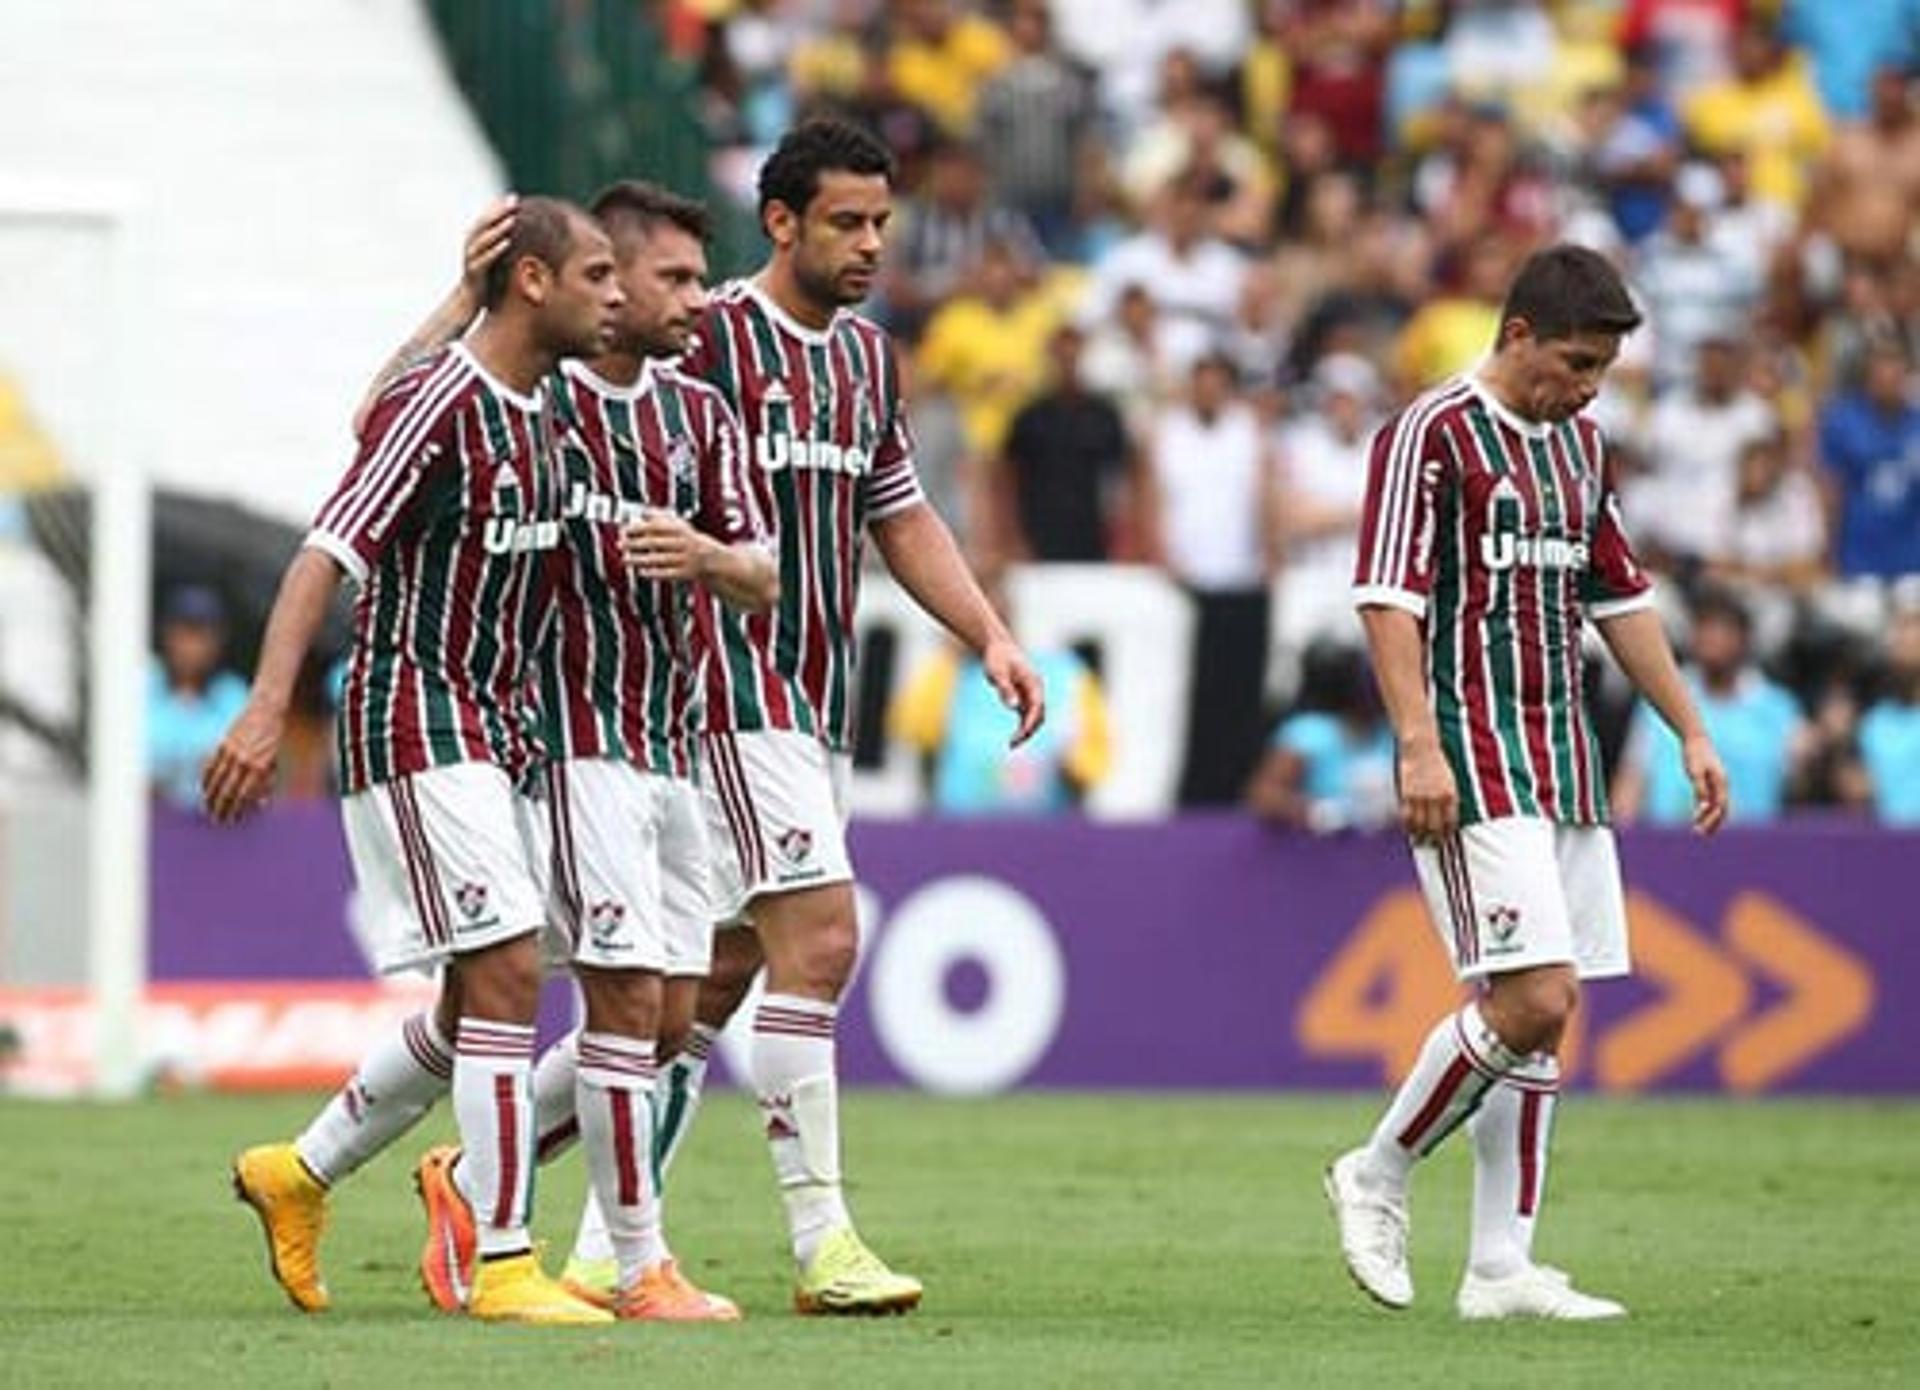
(442, 520)
(655, 502)
(1491, 533)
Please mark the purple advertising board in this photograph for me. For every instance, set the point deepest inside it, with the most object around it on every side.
(1211, 952)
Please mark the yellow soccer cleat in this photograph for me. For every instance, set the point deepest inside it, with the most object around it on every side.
(515, 1289)
(292, 1206)
(597, 1281)
(446, 1260)
(664, 1294)
(845, 1278)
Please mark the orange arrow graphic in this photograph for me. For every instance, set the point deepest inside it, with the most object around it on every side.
(1829, 994)
(1704, 993)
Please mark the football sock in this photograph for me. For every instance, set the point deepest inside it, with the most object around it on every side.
(396, 1084)
(1461, 1058)
(493, 1102)
(614, 1096)
(793, 1078)
(1511, 1132)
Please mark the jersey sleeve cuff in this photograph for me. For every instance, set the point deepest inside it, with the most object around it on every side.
(1387, 596)
(340, 552)
(1618, 607)
(881, 509)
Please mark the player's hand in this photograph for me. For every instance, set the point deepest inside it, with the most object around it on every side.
(239, 775)
(664, 545)
(486, 242)
(1709, 778)
(1429, 801)
(1018, 685)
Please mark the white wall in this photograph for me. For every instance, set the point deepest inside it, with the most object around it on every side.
(307, 168)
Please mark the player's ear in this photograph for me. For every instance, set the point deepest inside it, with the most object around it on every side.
(534, 279)
(783, 224)
(1515, 331)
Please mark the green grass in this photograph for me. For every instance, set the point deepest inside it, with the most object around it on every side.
(1065, 1240)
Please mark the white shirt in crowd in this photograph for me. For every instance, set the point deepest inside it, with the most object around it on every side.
(1320, 467)
(1685, 500)
(1787, 526)
(1196, 294)
(1213, 490)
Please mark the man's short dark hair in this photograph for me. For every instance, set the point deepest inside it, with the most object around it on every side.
(635, 204)
(824, 144)
(1565, 290)
(543, 229)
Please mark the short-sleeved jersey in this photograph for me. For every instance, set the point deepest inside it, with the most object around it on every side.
(1501, 535)
(829, 451)
(441, 520)
(619, 655)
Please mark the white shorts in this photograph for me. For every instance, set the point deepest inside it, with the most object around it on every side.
(776, 813)
(448, 860)
(1521, 891)
(630, 867)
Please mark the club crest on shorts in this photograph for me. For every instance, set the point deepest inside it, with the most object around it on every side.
(1503, 922)
(471, 899)
(794, 844)
(603, 921)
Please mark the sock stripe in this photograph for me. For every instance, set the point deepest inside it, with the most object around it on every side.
(507, 1123)
(425, 1047)
(823, 1031)
(698, 1045)
(1436, 1103)
(1486, 1066)
(626, 1166)
(1530, 1106)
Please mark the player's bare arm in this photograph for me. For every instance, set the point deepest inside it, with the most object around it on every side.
(1639, 643)
(1429, 800)
(662, 545)
(920, 552)
(486, 239)
(239, 775)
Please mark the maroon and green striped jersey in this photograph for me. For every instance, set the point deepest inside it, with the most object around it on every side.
(829, 452)
(618, 666)
(441, 520)
(1501, 535)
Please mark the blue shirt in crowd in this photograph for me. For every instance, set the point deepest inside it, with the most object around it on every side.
(1890, 747)
(1875, 456)
(1849, 40)
(1752, 727)
(1348, 773)
(183, 730)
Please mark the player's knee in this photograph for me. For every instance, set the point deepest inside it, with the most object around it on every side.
(1543, 1010)
(501, 982)
(823, 962)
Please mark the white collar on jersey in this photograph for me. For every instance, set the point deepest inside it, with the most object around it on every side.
(593, 381)
(1532, 429)
(786, 320)
(531, 404)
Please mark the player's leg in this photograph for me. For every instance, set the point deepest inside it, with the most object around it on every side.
(1493, 892)
(396, 1083)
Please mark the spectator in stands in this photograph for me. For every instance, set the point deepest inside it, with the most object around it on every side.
(986, 346)
(1634, 148)
(1879, 153)
(946, 231)
(1127, 42)
(1890, 733)
(1849, 44)
(1127, 361)
(1767, 108)
(1692, 40)
(1456, 328)
(951, 715)
(191, 698)
(1216, 502)
(1066, 464)
(1753, 722)
(1367, 309)
(1330, 764)
(941, 56)
(1870, 445)
(1692, 287)
(1778, 537)
(1323, 453)
(1037, 126)
(1193, 278)
(1339, 52)
(1197, 139)
(1683, 504)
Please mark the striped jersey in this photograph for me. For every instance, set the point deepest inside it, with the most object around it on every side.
(440, 520)
(617, 669)
(829, 452)
(1501, 535)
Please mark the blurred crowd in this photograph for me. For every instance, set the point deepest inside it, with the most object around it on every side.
(1161, 267)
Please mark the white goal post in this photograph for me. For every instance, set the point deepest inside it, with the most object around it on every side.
(78, 348)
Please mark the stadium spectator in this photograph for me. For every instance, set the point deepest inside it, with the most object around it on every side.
(1066, 461)
(1691, 286)
(1768, 109)
(1778, 536)
(946, 230)
(1193, 277)
(1890, 732)
(1323, 454)
(1127, 42)
(1755, 724)
(1037, 127)
(1127, 360)
(1196, 138)
(1339, 52)
(941, 54)
(1633, 148)
(1330, 763)
(1849, 44)
(1692, 40)
(191, 697)
(952, 716)
(1456, 328)
(1215, 500)
(1875, 157)
(1870, 445)
(986, 346)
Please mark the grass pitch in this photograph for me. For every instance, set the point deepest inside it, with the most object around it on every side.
(1065, 1240)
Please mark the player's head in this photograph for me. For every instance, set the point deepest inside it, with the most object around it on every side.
(558, 269)
(1561, 327)
(826, 196)
(660, 254)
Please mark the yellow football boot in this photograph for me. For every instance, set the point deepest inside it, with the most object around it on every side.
(292, 1206)
(515, 1289)
(846, 1278)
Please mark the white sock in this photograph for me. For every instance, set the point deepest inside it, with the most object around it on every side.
(793, 1077)
(493, 1101)
(396, 1084)
(555, 1126)
(614, 1094)
(1511, 1132)
(1460, 1059)
(676, 1100)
